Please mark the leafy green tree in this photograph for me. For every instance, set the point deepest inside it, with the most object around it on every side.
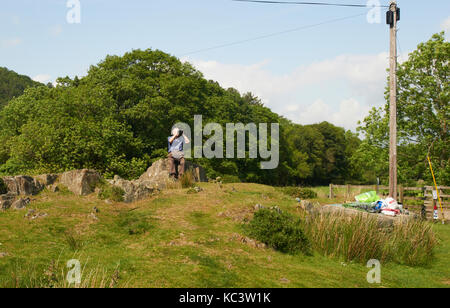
(13, 85)
(423, 113)
(117, 118)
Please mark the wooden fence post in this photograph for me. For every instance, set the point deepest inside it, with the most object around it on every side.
(331, 192)
(423, 212)
(401, 192)
(348, 191)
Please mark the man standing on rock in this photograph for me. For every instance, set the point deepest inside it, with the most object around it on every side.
(176, 154)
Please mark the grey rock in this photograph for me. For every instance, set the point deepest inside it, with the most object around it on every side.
(39, 215)
(284, 280)
(276, 209)
(159, 172)
(259, 207)
(27, 185)
(22, 185)
(80, 182)
(30, 213)
(306, 205)
(53, 188)
(383, 220)
(6, 201)
(20, 204)
(45, 180)
(134, 190)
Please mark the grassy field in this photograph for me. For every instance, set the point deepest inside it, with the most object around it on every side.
(177, 239)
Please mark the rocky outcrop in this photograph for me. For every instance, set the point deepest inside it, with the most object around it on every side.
(158, 172)
(134, 190)
(84, 182)
(80, 182)
(22, 185)
(154, 179)
(27, 185)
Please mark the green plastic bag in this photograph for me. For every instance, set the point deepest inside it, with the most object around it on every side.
(368, 197)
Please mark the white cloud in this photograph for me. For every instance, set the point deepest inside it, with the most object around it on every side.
(11, 42)
(349, 113)
(446, 27)
(340, 90)
(42, 78)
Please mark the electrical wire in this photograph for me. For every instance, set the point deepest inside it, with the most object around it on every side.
(273, 34)
(310, 3)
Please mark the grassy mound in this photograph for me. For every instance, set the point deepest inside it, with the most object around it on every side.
(175, 239)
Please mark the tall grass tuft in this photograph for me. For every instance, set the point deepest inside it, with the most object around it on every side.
(72, 241)
(187, 180)
(360, 238)
(55, 276)
(412, 243)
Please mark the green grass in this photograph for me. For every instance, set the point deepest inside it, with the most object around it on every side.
(179, 240)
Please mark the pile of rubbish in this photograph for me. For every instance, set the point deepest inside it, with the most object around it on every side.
(370, 202)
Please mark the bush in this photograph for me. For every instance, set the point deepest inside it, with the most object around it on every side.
(299, 192)
(228, 179)
(3, 188)
(281, 231)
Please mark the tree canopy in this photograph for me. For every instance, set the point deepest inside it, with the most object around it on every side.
(13, 85)
(423, 113)
(117, 119)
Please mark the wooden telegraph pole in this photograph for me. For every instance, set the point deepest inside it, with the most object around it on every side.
(393, 16)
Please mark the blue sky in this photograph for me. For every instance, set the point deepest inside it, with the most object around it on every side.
(333, 72)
